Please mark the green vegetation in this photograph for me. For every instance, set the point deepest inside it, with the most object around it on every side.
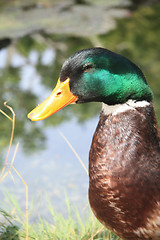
(63, 228)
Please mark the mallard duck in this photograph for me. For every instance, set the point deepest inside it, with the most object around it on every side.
(124, 159)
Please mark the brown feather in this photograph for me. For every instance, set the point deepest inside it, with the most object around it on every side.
(124, 171)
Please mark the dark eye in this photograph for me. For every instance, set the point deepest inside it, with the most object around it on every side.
(87, 67)
(59, 93)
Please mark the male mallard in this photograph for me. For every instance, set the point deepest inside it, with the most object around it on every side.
(124, 159)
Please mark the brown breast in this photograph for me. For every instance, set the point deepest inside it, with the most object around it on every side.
(124, 171)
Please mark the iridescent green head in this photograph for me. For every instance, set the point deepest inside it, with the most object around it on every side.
(94, 74)
(97, 74)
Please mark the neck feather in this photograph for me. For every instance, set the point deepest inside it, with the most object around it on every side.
(119, 108)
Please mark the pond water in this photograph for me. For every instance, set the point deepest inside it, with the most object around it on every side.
(55, 172)
(51, 170)
(29, 69)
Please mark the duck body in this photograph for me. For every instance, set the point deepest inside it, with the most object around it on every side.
(124, 172)
(124, 159)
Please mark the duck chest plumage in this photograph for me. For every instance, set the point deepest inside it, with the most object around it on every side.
(124, 171)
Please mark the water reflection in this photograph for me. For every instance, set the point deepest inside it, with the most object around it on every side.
(28, 74)
(29, 69)
(54, 171)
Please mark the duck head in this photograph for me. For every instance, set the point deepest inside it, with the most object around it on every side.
(94, 74)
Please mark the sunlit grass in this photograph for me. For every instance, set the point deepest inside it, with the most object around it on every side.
(73, 226)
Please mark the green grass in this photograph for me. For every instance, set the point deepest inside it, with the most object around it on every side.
(71, 227)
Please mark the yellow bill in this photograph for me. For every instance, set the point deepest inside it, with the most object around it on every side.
(59, 98)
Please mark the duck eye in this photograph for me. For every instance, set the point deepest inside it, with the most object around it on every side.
(87, 67)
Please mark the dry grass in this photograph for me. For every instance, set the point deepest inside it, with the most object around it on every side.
(8, 167)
